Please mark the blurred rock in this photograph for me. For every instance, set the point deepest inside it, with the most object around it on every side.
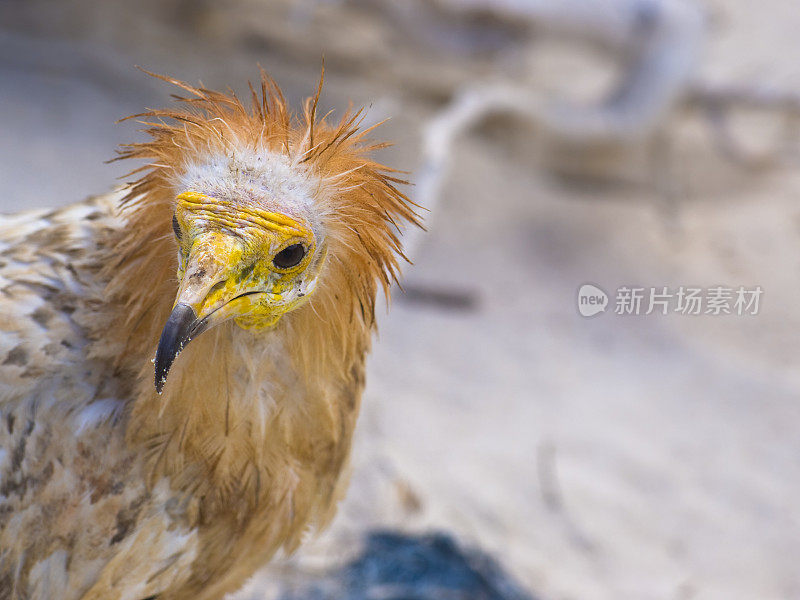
(393, 566)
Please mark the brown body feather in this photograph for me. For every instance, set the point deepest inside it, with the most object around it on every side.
(108, 490)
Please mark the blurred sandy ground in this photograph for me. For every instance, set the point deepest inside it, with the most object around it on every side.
(641, 457)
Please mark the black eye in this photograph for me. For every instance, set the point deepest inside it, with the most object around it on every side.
(289, 256)
(175, 227)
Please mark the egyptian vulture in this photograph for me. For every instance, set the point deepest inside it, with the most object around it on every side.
(182, 359)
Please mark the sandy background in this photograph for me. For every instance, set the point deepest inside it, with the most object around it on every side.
(651, 457)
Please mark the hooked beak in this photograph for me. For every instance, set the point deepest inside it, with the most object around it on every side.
(185, 324)
(182, 326)
(209, 294)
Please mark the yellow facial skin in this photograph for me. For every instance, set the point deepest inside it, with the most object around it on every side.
(226, 267)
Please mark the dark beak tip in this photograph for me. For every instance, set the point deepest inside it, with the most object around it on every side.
(181, 326)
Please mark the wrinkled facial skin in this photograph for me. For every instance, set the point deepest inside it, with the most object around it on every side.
(234, 262)
(226, 259)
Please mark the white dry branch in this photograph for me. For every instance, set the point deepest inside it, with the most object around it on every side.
(658, 43)
(658, 40)
(467, 109)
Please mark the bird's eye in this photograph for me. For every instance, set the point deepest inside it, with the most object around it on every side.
(289, 256)
(175, 227)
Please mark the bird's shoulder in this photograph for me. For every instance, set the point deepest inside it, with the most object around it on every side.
(48, 275)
